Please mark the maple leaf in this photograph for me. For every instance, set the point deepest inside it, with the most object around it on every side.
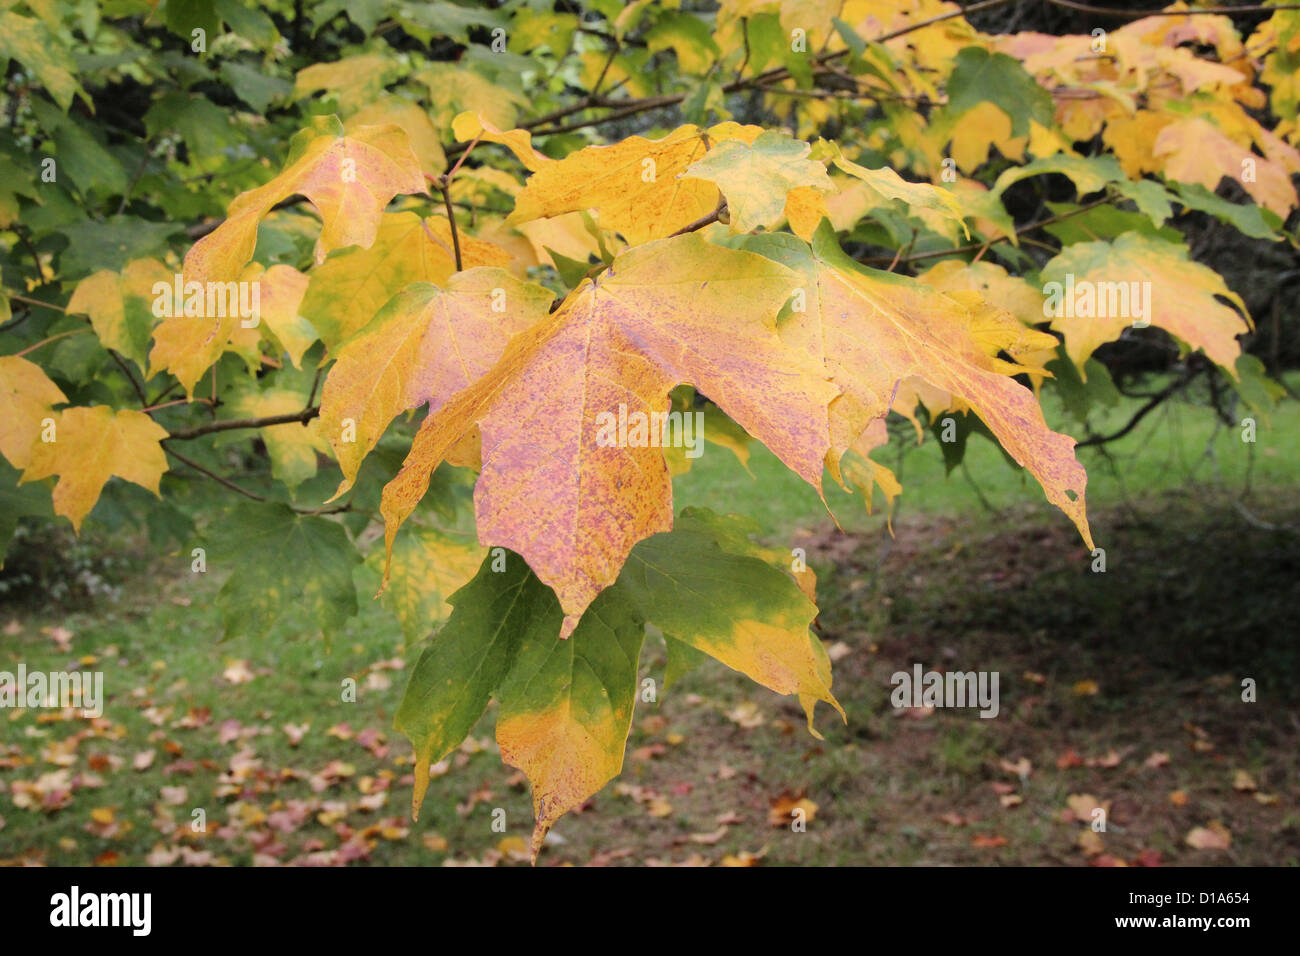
(566, 707)
(465, 663)
(354, 81)
(864, 473)
(1213, 836)
(566, 704)
(1012, 293)
(350, 287)
(293, 446)
(414, 121)
(92, 444)
(349, 179)
(554, 487)
(1194, 150)
(186, 345)
(27, 397)
(1088, 173)
(1181, 292)
(120, 306)
(708, 586)
(874, 329)
(805, 208)
(470, 126)
(981, 77)
(280, 293)
(636, 184)
(425, 345)
(428, 567)
(282, 561)
(756, 177)
(992, 327)
(30, 42)
(885, 184)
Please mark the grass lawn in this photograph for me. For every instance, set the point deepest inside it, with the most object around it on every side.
(1119, 690)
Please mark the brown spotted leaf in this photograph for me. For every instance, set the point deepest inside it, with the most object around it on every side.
(424, 346)
(555, 486)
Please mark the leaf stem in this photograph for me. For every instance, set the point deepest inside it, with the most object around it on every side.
(33, 348)
(451, 218)
(37, 302)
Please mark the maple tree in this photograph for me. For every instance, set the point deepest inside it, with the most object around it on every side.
(393, 262)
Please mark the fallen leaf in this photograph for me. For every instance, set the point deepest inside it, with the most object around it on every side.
(1089, 842)
(237, 672)
(1243, 782)
(1213, 836)
(747, 715)
(784, 810)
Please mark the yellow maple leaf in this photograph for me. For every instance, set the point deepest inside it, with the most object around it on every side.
(1098, 289)
(348, 178)
(27, 399)
(92, 444)
(636, 185)
(349, 288)
(875, 329)
(120, 306)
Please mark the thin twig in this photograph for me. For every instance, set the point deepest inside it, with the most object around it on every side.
(37, 302)
(702, 221)
(174, 401)
(315, 382)
(613, 52)
(33, 348)
(139, 389)
(227, 424)
(213, 475)
(451, 218)
(1143, 14)
(226, 482)
(1156, 400)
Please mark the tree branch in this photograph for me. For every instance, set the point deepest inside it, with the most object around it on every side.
(1156, 400)
(703, 220)
(976, 246)
(228, 424)
(227, 483)
(1143, 14)
(626, 108)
